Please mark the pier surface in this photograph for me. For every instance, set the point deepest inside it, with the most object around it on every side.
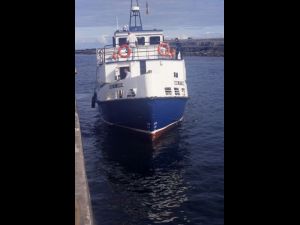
(83, 209)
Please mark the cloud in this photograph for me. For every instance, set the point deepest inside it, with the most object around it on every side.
(103, 39)
(96, 20)
(91, 36)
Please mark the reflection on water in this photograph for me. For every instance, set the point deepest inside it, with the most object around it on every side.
(146, 178)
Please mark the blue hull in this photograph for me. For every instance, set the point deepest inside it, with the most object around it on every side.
(147, 114)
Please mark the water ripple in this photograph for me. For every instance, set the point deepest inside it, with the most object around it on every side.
(175, 180)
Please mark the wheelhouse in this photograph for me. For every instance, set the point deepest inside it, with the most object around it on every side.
(145, 37)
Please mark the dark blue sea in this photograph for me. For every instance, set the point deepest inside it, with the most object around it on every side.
(179, 179)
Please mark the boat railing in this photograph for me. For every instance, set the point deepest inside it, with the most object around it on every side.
(111, 54)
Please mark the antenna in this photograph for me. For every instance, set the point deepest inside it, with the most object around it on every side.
(147, 8)
(117, 22)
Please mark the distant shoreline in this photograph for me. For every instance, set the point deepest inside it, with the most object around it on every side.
(190, 47)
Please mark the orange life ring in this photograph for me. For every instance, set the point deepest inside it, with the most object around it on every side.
(128, 51)
(163, 49)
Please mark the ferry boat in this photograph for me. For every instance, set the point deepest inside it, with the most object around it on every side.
(142, 88)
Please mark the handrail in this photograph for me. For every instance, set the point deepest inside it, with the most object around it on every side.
(141, 52)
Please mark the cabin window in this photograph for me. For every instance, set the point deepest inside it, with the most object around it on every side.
(131, 93)
(141, 40)
(119, 93)
(123, 72)
(168, 91)
(175, 75)
(122, 41)
(114, 41)
(176, 90)
(155, 40)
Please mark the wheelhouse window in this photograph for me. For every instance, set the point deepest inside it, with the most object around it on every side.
(122, 41)
(114, 41)
(141, 40)
(155, 40)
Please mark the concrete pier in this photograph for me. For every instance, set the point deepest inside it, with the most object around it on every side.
(83, 209)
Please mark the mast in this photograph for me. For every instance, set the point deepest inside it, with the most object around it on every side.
(135, 12)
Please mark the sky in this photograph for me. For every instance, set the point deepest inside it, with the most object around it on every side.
(96, 20)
